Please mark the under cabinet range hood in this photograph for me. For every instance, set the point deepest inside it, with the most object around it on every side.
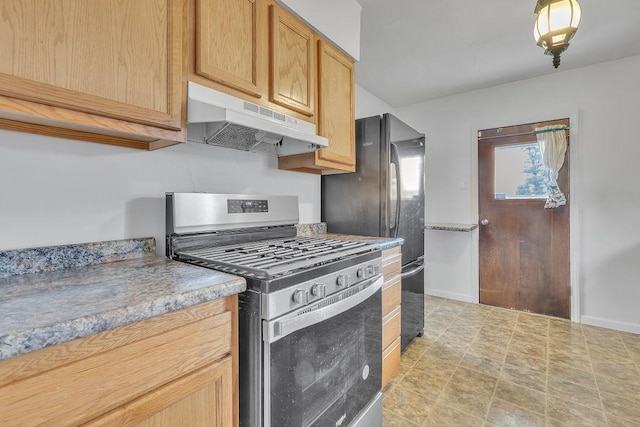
(216, 118)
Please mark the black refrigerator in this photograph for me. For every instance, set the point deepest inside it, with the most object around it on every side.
(385, 197)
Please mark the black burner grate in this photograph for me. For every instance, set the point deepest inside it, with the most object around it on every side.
(271, 258)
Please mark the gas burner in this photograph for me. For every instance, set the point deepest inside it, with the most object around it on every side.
(267, 259)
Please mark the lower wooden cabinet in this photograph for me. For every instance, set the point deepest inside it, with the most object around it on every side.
(176, 369)
(391, 312)
(200, 399)
(390, 361)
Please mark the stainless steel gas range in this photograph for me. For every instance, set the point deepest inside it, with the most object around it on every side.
(310, 319)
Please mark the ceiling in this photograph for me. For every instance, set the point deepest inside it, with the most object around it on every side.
(416, 50)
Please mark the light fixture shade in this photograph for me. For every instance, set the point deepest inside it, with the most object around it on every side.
(556, 23)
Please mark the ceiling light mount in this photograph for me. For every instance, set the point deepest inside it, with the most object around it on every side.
(556, 23)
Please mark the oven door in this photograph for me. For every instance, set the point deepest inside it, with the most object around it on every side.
(323, 363)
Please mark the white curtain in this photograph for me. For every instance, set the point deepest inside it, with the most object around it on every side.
(552, 141)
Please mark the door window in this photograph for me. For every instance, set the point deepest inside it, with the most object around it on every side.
(520, 172)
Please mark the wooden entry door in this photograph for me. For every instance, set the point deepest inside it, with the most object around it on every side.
(524, 248)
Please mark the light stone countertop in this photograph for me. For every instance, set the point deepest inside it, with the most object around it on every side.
(44, 308)
(446, 226)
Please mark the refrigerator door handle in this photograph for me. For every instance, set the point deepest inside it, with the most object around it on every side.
(419, 266)
(395, 161)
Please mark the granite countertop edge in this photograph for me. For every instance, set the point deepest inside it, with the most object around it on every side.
(28, 340)
(118, 283)
(446, 226)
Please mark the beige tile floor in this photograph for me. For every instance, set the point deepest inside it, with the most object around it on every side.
(485, 366)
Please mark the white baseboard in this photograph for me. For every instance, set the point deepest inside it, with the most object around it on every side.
(449, 295)
(610, 324)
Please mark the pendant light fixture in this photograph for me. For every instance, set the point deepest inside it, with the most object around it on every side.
(556, 22)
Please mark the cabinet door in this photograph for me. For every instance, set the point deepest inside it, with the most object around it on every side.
(113, 58)
(293, 59)
(201, 399)
(336, 105)
(227, 43)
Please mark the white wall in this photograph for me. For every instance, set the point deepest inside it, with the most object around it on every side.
(57, 191)
(605, 99)
(367, 104)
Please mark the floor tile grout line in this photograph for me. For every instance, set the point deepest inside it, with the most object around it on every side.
(504, 360)
(458, 364)
(604, 412)
(523, 386)
(449, 380)
(631, 356)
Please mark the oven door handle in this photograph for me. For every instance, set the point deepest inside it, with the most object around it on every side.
(310, 315)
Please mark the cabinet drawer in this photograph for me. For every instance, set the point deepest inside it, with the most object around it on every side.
(111, 378)
(387, 253)
(391, 266)
(390, 361)
(391, 295)
(391, 326)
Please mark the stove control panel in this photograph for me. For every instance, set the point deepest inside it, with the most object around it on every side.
(247, 206)
(277, 303)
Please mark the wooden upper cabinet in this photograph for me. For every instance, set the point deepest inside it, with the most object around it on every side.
(335, 116)
(336, 105)
(292, 56)
(119, 59)
(228, 48)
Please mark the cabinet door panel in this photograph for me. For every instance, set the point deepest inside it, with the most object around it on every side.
(118, 58)
(336, 110)
(391, 294)
(390, 361)
(201, 399)
(227, 48)
(293, 59)
(391, 325)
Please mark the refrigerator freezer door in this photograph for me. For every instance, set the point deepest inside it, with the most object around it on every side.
(412, 311)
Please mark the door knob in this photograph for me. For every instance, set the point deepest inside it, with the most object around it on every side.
(484, 222)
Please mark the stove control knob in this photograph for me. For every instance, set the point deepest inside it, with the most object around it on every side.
(301, 297)
(342, 280)
(361, 273)
(370, 270)
(319, 290)
(376, 269)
